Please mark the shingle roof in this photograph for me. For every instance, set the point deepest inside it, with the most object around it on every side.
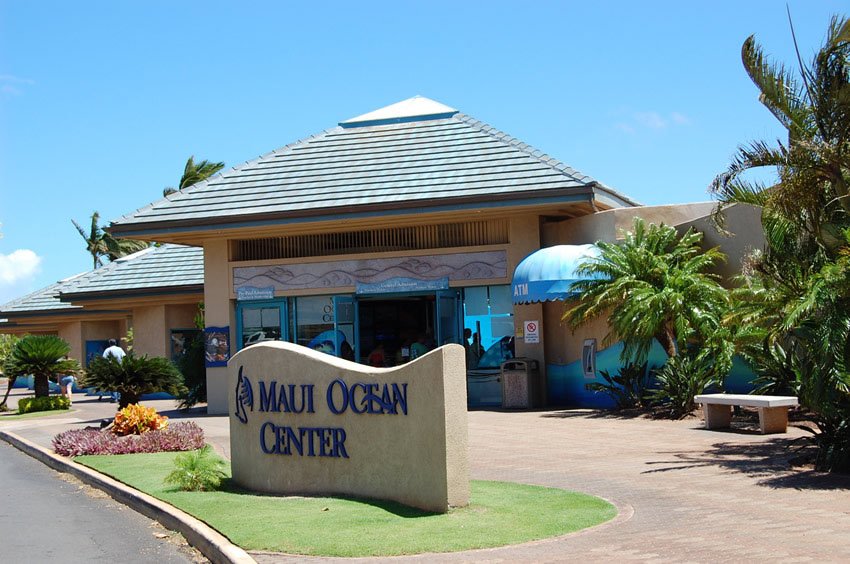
(46, 299)
(168, 268)
(402, 161)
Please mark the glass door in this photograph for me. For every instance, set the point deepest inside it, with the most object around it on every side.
(260, 321)
(345, 327)
(449, 329)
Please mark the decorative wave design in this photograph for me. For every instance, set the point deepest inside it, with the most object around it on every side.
(469, 266)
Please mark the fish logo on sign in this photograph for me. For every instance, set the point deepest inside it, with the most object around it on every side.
(244, 397)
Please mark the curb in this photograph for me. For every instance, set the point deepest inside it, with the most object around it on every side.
(207, 540)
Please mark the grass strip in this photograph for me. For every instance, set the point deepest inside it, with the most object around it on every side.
(499, 514)
(14, 416)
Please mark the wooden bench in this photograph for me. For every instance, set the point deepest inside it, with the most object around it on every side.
(773, 410)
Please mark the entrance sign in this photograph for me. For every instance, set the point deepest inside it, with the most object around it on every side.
(245, 293)
(532, 331)
(307, 423)
(392, 285)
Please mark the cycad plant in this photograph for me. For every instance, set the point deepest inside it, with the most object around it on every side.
(198, 470)
(654, 285)
(43, 356)
(134, 376)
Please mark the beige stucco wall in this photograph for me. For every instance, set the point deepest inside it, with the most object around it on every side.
(152, 327)
(217, 313)
(104, 330)
(525, 239)
(743, 235)
(73, 334)
(608, 225)
(149, 330)
(563, 346)
(418, 457)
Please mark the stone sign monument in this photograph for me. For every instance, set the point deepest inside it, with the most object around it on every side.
(304, 422)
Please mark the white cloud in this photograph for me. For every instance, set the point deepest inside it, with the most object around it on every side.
(11, 84)
(680, 119)
(18, 265)
(626, 128)
(651, 120)
(637, 121)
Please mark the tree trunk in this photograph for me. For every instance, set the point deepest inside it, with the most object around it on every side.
(127, 398)
(667, 339)
(42, 386)
(9, 384)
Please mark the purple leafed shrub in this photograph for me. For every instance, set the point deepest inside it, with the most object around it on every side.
(185, 435)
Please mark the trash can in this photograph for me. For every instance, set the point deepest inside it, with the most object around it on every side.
(520, 383)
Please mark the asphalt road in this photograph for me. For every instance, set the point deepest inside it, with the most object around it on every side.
(46, 516)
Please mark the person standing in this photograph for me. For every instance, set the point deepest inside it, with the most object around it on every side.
(66, 385)
(118, 354)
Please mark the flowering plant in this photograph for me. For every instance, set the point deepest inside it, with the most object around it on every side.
(136, 419)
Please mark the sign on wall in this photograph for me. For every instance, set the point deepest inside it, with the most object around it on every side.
(302, 422)
(216, 346)
(532, 331)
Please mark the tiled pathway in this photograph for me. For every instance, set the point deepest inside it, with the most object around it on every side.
(685, 494)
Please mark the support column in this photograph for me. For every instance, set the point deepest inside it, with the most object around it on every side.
(217, 314)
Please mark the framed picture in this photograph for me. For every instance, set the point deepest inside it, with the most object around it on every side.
(217, 346)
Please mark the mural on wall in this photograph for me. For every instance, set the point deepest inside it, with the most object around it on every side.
(217, 346)
(339, 274)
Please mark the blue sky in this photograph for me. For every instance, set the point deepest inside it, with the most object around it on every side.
(101, 103)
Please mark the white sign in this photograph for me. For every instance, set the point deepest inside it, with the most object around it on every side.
(532, 331)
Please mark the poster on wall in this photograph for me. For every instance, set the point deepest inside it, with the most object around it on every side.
(217, 346)
(532, 331)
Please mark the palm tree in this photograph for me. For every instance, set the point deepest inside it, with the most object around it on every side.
(792, 310)
(813, 165)
(194, 173)
(43, 356)
(652, 286)
(101, 244)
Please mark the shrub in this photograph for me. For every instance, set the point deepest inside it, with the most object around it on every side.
(43, 356)
(181, 436)
(192, 365)
(628, 388)
(197, 471)
(134, 376)
(46, 403)
(136, 419)
(679, 380)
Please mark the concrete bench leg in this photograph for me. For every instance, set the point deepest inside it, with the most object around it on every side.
(717, 416)
(773, 419)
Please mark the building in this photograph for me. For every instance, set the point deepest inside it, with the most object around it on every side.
(397, 230)
(155, 292)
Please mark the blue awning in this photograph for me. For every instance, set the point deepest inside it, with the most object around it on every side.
(548, 274)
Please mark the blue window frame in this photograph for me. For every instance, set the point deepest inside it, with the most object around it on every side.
(262, 320)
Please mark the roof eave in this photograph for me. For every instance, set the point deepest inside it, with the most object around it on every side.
(79, 297)
(152, 229)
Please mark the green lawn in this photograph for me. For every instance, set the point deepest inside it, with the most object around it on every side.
(499, 514)
(13, 415)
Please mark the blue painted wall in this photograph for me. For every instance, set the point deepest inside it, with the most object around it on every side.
(567, 384)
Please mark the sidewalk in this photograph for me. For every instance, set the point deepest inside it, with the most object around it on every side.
(685, 494)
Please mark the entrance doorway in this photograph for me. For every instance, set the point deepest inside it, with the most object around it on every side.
(393, 325)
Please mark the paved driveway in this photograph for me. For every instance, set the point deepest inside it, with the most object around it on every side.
(685, 494)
